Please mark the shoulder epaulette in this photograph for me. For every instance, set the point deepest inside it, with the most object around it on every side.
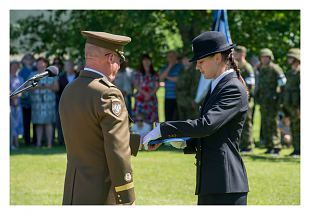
(106, 82)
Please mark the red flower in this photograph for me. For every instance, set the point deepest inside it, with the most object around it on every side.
(146, 88)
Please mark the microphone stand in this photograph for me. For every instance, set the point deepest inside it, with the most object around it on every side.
(33, 84)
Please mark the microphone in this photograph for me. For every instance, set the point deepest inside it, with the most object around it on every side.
(50, 71)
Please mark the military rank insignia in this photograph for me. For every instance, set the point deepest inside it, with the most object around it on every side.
(116, 107)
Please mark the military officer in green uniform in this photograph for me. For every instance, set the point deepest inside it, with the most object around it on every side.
(271, 82)
(247, 72)
(291, 97)
(95, 124)
(186, 88)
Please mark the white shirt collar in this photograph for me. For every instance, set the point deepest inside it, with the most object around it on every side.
(93, 70)
(97, 72)
(217, 80)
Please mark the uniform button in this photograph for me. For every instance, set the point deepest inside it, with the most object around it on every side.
(118, 195)
(120, 200)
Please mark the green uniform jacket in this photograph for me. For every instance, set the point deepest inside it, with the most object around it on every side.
(291, 95)
(269, 75)
(247, 73)
(186, 88)
(96, 131)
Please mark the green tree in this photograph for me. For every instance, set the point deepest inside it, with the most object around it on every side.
(153, 31)
(278, 30)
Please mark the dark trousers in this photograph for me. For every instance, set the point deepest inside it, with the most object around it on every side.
(57, 126)
(128, 105)
(26, 125)
(171, 110)
(59, 130)
(223, 199)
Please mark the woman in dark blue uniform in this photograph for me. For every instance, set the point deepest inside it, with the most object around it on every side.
(221, 175)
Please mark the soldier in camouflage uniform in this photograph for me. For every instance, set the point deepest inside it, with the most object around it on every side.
(271, 81)
(247, 72)
(291, 97)
(186, 88)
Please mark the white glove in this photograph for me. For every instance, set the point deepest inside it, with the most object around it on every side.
(179, 144)
(152, 135)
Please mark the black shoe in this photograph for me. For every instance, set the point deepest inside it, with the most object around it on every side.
(273, 151)
(295, 153)
(276, 151)
(268, 151)
(246, 150)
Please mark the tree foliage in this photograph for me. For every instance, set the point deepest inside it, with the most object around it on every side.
(257, 29)
(152, 31)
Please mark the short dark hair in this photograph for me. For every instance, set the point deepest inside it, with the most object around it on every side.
(42, 59)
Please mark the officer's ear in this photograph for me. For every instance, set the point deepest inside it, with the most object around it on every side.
(109, 57)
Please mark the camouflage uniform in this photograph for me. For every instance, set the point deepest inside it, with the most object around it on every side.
(247, 72)
(291, 100)
(186, 88)
(271, 78)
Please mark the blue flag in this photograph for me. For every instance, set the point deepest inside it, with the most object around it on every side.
(220, 23)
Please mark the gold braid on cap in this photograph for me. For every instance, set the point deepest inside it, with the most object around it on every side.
(120, 54)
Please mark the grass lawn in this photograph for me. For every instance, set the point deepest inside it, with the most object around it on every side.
(163, 177)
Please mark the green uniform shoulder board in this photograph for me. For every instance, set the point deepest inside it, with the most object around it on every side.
(104, 80)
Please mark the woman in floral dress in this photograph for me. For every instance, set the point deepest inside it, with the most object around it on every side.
(146, 82)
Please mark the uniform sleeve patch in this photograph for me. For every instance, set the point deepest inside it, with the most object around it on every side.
(116, 107)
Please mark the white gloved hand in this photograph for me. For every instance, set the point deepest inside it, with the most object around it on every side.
(152, 135)
(179, 144)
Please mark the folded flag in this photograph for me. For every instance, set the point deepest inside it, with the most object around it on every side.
(179, 143)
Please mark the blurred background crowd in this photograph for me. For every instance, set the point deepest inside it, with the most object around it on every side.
(34, 117)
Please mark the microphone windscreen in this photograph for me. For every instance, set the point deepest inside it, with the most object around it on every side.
(52, 71)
